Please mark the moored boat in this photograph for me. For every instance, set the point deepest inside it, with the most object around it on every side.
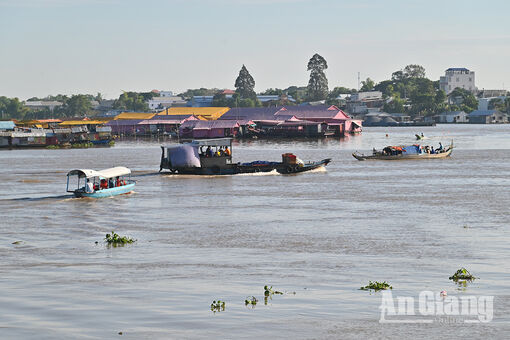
(403, 152)
(103, 183)
(214, 157)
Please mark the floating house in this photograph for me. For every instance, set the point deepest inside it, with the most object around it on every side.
(209, 129)
(487, 117)
(321, 120)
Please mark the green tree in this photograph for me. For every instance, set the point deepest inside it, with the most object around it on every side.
(245, 84)
(396, 105)
(414, 71)
(78, 105)
(133, 101)
(272, 91)
(464, 98)
(367, 85)
(318, 83)
(12, 108)
(199, 92)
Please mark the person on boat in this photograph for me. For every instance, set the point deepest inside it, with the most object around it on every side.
(427, 149)
(103, 184)
(217, 153)
(432, 150)
(208, 152)
(440, 148)
(422, 135)
(117, 182)
(89, 187)
(227, 151)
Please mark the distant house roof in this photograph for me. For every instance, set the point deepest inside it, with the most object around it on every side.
(43, 103)
(123, 122)
(173, 117)
(269, 97)
(452, 113)
(457, 69)
(7, 125)
(227, 91)
(81, 122)
(314, 112)
(134, 115)
(209, 113)
(251, 113)
(483, 112)
(166, 99)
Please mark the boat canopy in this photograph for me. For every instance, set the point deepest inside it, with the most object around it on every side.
(106, 173)
(185, 155)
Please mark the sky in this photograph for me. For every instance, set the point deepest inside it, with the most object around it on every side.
(50, 47)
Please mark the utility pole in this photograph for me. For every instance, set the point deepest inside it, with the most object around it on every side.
(358, 81)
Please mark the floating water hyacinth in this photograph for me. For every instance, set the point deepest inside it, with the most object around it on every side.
(376, 285)
(115, 240)
(269, 291)
(217, 306)
(462, 275)
(251, 301)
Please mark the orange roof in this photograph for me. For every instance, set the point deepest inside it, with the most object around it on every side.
(206, 113)
(134, 115)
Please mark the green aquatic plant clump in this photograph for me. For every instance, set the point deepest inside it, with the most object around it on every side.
(269, 291)
(376, 285)
(115, 239)
(217, 306)
(251, 301)
(53, 147)
(84, 145)
(462, 275)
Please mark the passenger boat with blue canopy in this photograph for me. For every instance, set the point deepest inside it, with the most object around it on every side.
(402, 152)
(103, 183)
(214, 157)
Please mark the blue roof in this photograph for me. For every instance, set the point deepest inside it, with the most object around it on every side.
(483, 112)
(457, 69)
(7, 125)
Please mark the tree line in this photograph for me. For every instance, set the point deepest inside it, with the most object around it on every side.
(407, 91)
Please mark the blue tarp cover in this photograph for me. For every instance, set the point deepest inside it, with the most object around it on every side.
(411, 149)
(184, 156)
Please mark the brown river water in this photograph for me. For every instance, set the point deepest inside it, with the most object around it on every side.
(321, 235)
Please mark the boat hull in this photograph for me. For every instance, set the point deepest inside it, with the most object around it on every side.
(361, 157)
(124, 189)
(235, 169)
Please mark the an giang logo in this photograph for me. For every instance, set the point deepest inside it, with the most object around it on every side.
(436, 307)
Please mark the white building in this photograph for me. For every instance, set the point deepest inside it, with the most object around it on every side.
(166, 94)
(157, 103)
(457, 77)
